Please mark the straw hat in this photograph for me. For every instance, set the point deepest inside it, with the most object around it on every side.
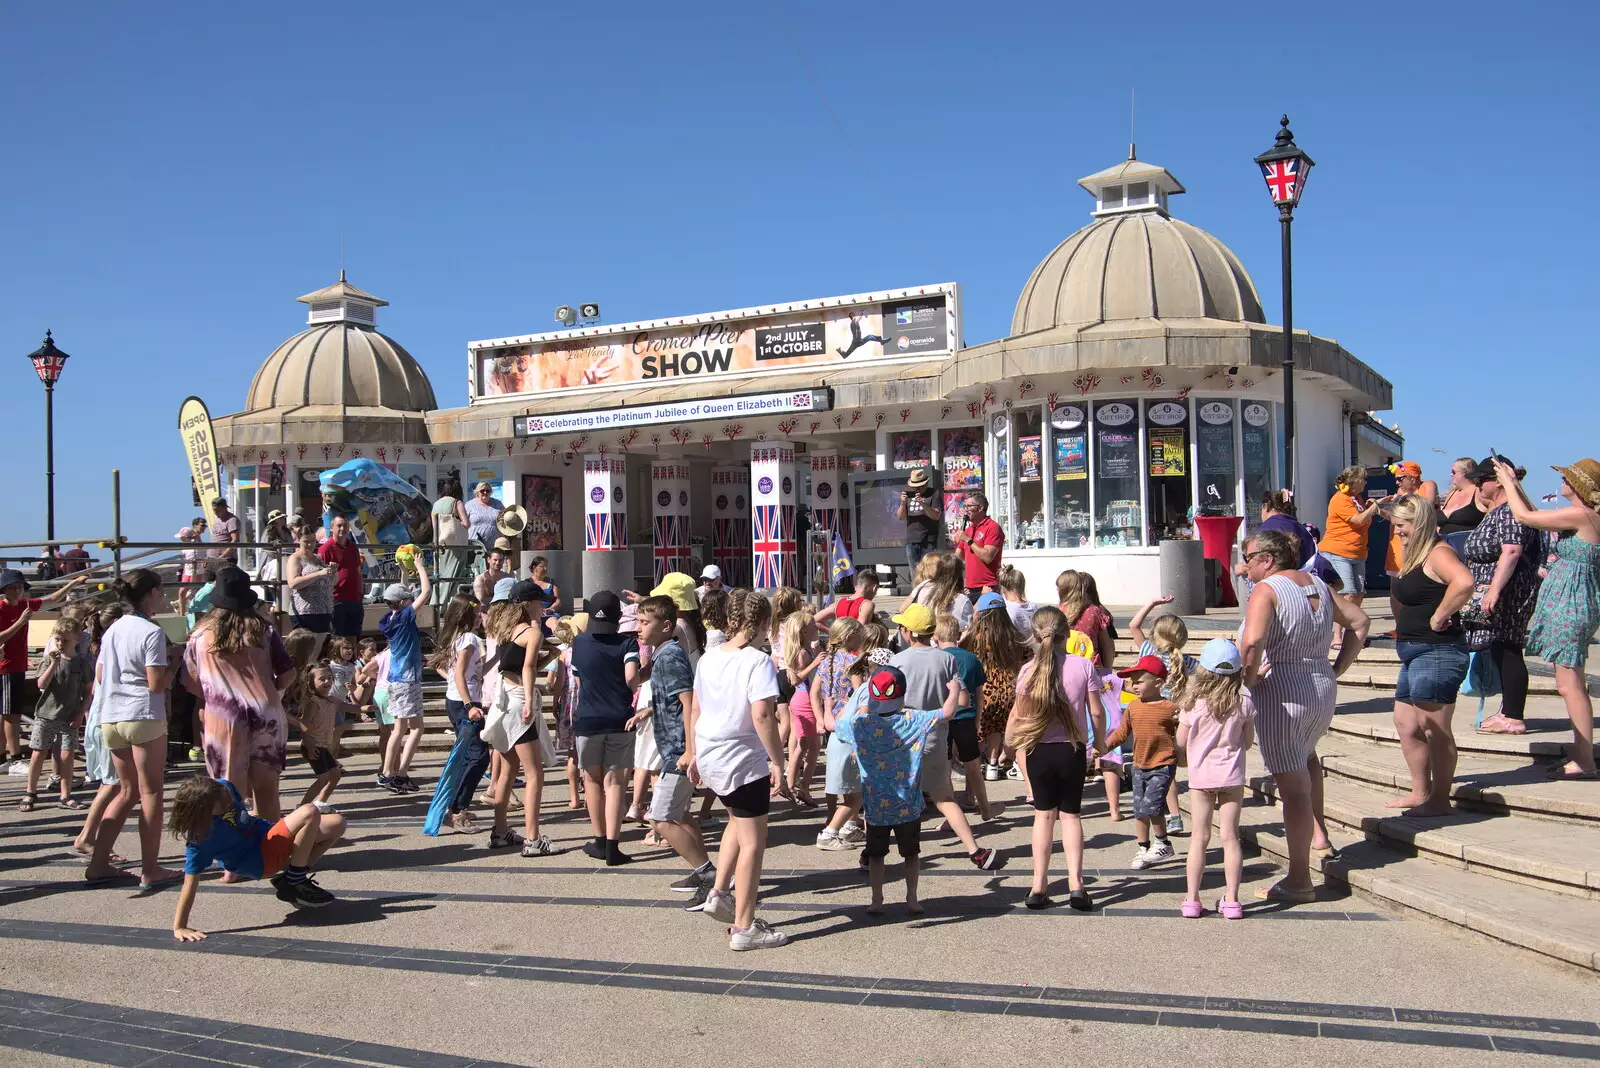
(1584, 477)
(513, 521)
(918, 478)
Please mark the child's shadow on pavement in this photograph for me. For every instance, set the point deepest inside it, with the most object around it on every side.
(343, 912)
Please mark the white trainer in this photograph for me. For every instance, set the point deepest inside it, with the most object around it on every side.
(757, 936)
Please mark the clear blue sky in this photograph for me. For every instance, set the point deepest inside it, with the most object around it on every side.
(177, 173)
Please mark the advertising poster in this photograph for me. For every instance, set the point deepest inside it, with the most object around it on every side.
(1118, 451)
(541, 496)
(961, 450)
(1169, 452)
(910, 448)
(194, 427)
(1030, 458)
(1072, 457)
(720, 343)
(416, 474)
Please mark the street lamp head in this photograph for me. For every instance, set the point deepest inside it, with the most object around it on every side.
(1285, 168)
(48, 360)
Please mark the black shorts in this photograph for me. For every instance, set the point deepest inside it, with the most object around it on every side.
(14, 693)
(785, 688)
(907, 838)
(1055, 771)
(321, 760)
(750, 801)
(964, 740)
(321, 623)
(348, 616)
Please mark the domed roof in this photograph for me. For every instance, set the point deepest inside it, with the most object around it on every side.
(1135, 262)
(341, 360)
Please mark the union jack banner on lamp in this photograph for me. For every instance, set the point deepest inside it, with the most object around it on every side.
(1285, 179)
(772, 539)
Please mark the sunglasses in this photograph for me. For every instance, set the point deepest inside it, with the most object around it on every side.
(1251, 556)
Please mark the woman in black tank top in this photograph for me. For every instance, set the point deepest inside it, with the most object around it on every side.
(1432, 586)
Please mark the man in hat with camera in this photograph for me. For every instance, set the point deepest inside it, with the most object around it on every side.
(919, 508)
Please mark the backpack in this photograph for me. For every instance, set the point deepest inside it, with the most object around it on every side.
(1483, 680)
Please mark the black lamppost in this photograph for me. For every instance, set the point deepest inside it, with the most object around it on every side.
(48, 362)
(1286, 169)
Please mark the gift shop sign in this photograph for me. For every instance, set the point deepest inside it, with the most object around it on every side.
(743, 406)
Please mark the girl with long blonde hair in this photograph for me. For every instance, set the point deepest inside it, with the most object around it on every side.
(510, 727)
(1057, 699)
(1216, 726)
(831, 689)
(799, 664)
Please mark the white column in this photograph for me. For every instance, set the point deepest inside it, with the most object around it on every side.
(730, 523)
(772, 519)
(669, 530)
(605, 512)
(827, 502)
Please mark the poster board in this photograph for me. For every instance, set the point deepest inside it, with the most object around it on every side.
(541, 496)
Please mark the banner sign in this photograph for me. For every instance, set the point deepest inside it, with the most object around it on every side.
(541, 496)
(746, 405)
(893, 326)
(200, 445)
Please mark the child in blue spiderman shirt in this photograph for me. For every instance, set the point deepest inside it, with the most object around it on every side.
(888, 740)
(209, 817)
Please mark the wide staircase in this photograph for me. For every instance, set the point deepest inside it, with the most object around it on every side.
(1518, 861)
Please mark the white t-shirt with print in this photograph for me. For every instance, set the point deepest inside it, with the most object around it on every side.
(728, 750)
(474, 647)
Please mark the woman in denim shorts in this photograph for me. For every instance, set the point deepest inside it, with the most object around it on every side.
(1430, 588)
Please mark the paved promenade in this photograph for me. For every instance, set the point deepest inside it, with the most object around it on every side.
(442, 953)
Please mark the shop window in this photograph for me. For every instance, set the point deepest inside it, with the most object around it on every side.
(1001, 501)
(910, 448)
(1219, 474)
(961, 457)
(1069, 476)
(1119, 516)
(1028, 463)
(1255, 434)
(1171, 490)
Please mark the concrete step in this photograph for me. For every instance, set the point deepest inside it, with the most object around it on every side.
(1556, 857)
(1504, 785)
(1542, 921)
(1547, 736)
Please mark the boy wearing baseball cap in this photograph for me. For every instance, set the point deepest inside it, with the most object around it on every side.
(889, 741)
(1153, 722)
(399, 626)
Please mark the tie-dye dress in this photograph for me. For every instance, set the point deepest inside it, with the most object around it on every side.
(244, 719)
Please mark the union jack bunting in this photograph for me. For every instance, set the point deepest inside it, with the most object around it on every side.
(671, 549)
(773, 543)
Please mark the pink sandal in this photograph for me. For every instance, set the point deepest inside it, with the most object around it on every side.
(1230, 910)
(1192, 910)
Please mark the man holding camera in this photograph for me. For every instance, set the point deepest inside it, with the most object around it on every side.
(919, 508)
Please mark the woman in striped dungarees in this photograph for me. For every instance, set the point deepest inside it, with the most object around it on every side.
(1289, 624)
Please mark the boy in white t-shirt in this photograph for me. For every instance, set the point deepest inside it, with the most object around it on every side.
(734, 748)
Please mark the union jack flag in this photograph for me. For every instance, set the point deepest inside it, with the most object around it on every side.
(773, 544)
(1283, 179)
(671, 551)
(602, 530)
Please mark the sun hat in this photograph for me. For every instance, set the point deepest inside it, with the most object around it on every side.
(502, 590)
(513, 520)
(886, 691)
(504, 545)
(274, 515)
(395, 593)
(12, 577)
(919, 478)
(1221, 657)
(989, 600)
(1406, 468)
(629, 623)
(680, 589)
(1151, 664)
(917, 618)
(712, 572)
(232, 591)
(605, 612)
(880, 655)
(1584, 478)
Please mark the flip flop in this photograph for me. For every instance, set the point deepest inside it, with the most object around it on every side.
(107, 880)
(145, 887)
(1276, 892)
(1559, 773)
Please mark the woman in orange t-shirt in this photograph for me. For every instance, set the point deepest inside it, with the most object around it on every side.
(1344, 541)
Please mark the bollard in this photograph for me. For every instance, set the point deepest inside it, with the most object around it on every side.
(1183, 576)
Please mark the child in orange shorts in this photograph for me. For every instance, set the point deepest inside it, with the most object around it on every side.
(210, 818)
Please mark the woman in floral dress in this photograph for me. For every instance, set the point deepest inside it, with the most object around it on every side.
(1568, 611)
(1504, 557)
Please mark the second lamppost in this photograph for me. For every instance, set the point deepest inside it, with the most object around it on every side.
(48, 362)
(1285, 169)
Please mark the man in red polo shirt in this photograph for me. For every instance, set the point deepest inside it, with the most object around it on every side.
(979, 542)
(341, 551)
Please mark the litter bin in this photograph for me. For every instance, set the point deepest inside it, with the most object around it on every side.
(1183, 569)
(1217, 533)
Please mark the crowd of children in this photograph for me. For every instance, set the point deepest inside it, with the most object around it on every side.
(729, 695)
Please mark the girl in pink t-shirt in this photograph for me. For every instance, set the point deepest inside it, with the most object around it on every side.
(1215, 728)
